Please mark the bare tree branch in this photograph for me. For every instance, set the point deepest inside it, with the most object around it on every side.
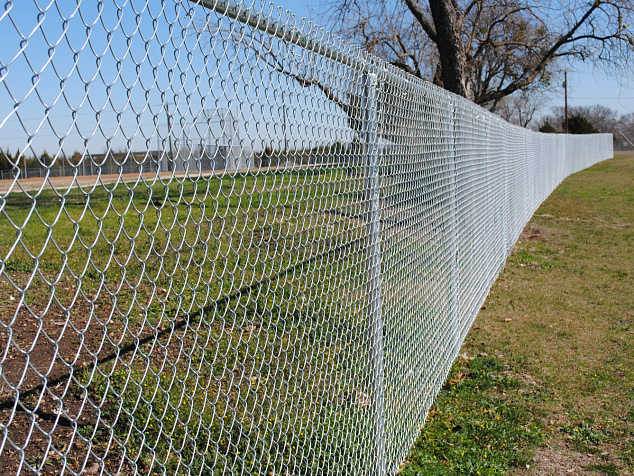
(489, 49)
(423, 20)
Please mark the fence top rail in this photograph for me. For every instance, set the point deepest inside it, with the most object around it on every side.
(320, 41)
(290, 34)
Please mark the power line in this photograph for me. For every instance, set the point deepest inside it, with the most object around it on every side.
(588, 97)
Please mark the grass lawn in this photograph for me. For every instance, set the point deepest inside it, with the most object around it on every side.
(545, 381)
(203, 323)
(203, 326)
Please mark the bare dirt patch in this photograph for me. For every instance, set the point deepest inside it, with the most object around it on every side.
(45, 347)
(50, 349)
(561, 460)
(533, 232)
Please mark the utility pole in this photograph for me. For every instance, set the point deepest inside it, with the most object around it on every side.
(566, 101)
(284, 125)
(158, 153)
(170, 164)
(627, 139)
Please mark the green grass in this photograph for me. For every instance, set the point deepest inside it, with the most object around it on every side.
(480, 423)
(561, 314)
(254, 357)
(200, 240)
(235, 376)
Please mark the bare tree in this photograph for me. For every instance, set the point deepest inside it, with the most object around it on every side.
(486, 50)
(498, 53)
(520, 108)
(263, 52)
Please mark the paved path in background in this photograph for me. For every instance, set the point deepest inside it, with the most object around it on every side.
(83, 181)
(89, 181)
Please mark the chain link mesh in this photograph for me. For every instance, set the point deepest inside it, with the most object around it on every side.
(232, 244)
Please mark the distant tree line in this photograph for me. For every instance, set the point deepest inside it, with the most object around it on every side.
(8, 160)
(589, 120)
(323, 154)
(108, 161)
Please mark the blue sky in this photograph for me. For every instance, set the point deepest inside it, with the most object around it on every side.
(107, 75)
(151, 62)
(589, 86)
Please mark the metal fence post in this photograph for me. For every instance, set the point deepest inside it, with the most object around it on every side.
(375, 297)
(453, 224)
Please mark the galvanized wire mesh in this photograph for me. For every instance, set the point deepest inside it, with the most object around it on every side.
(249, 249)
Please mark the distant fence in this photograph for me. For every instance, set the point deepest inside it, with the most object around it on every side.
(85, 167)
(184, 160)
(293, 313)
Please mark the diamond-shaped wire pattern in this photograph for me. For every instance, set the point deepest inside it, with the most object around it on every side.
(232, 244)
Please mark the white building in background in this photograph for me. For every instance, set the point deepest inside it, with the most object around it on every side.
(224, 157)
(210, 144)
(218, 158)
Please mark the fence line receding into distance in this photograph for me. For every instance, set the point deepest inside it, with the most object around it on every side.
(233, 244)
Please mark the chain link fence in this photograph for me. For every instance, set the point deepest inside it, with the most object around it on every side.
(279, 251)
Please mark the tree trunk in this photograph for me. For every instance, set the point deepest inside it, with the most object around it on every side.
(453, 60)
